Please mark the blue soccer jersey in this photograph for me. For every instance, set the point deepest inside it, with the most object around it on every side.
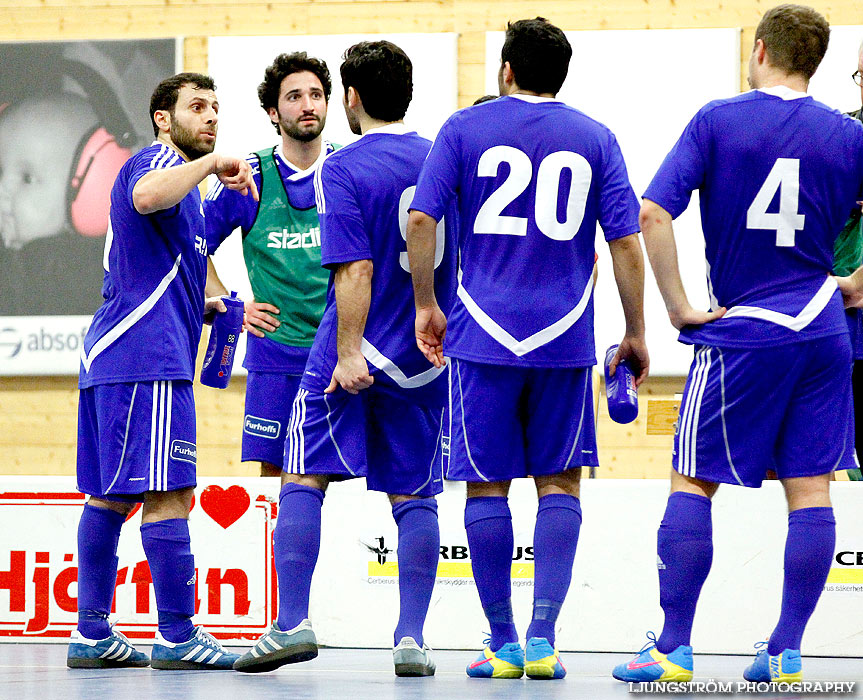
(363, 191)
(532, 177)
(777, 173)
(155, 270)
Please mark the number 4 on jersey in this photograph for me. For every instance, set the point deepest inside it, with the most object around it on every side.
(785, 177)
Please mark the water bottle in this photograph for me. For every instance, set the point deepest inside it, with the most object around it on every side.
(620, 390)
(224, 334)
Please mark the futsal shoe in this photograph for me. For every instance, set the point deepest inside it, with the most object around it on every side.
(411, 660)
(651, 665)
(782, 668)
(541, 660)
(506, 662)
(201, 653)
(112, 652)
(275, 648)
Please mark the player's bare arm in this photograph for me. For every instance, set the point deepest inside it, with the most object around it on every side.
(164, 188)
(658, 235)
(214, 290)
(852, 288)
(628, 262)
(353, 289)
(430, 324)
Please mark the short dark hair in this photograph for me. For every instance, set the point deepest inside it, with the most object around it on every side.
(538, 53)
(286, 64)
(164, 97)
(795, 37)
(484, 98)
(382, 74)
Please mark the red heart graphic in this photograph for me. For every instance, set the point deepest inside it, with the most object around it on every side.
(225, 506)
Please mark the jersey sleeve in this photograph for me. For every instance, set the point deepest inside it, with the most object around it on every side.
(683, 169)
(343, 233)
(438, 178)
(152, 158)
(618, 205)
(226, 210)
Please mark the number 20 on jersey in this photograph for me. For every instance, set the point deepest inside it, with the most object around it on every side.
(490, 220)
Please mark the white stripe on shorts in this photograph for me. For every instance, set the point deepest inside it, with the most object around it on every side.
(697, 416)
(293, 443)
(686, 415)
(289, 440)
(691, 412)
(301, 447)
(169, 402)
(153, 417)
(160, 437)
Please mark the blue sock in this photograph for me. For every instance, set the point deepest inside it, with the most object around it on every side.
(98, 534)
(489, 534)
(172, 566)
(296, 543)
(808, 554)
(555, 537)
(685, 552)
(418, 550)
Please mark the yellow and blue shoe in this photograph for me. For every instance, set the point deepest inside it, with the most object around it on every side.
(506, 662)
(786, 667)
(541, 660)
(651, 665)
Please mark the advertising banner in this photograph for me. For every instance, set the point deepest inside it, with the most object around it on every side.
(71, 113)
(612, 602)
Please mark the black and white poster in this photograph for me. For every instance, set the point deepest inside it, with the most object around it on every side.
(71, 113)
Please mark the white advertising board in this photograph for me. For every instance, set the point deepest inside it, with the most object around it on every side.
(613, 599)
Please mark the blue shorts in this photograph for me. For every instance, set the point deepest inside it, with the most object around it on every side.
(380, 434)
(136, 437)
(784, 408)
(510, 422)
(268, 407)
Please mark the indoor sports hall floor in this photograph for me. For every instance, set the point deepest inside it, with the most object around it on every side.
(38, 672)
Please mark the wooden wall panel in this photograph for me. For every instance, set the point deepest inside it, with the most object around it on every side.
(113, 19)
(38, 430)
